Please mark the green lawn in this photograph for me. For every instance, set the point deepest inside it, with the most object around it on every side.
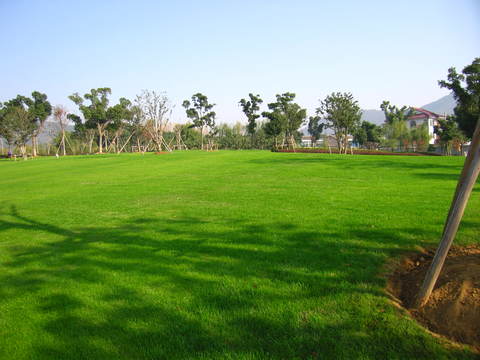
(224, 255)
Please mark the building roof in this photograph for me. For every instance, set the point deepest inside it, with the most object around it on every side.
(419, 113)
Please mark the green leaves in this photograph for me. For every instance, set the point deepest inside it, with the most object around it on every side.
(315, 127)
(466, 90)
(97, 112)
(199, 111)
(22, 116)
(285, 116)
(393, 113)
(342, 114)
(250, 108)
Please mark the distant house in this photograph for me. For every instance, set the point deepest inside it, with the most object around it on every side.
(421, 116)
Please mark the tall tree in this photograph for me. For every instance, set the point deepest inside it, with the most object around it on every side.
(284, 117)
(368, 135)
(395, 127)
(419, 137)
(273, 127)
(341, 113)
(315, 128)
(61, 117)
(466, 91)
(38, 108)
(250, 108)
(6, 128)
(396, 134)
(16, 125)
(394, 113)
(200, 112)
(98, 114)
(154, 111)
(449, 134)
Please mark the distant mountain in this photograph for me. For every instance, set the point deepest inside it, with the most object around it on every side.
(374, 116)
(444, 105)
(50, 131)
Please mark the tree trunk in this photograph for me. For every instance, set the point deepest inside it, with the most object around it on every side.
(63, 143)
(90, 145)
(23, 150)
(34, 145)
(161, 140)
(100, 139)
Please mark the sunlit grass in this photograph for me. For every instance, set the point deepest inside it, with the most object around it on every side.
(224, 255)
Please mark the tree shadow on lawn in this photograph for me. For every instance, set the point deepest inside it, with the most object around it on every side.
(360, 161)
(180, 288)
(419, 167)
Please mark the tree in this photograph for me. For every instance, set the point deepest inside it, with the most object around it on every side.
(190, 137)
(342, 114)
(154, 112)
(395, 127)
(7, 128)
(41, 109)
(38, 108)
(61, 116)
(16, 125)
(199, 111)
(368, 135)
(396, 134)
(98, 114)
(449, 134)
(121, 115)
(232, 137)
(250, 108)
(466, 91)
(315, 128)
(393, 113)
(284, 117)
(419, 137)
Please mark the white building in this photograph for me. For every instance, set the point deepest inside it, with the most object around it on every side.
(421, 116)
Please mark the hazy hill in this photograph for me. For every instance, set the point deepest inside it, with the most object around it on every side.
(373, 116)
(444, 105)
(50, 131)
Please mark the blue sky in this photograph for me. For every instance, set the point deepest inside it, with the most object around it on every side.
(378, 50)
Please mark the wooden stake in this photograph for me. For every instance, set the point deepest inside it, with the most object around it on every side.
(467, 180)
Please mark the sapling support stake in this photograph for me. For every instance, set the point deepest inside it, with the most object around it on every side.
(466, 182)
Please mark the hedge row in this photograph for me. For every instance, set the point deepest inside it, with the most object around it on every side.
(357, 152)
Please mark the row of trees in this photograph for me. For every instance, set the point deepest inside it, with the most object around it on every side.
(144, 123)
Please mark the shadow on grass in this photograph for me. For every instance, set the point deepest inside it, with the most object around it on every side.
(180, 288)
(423, 167)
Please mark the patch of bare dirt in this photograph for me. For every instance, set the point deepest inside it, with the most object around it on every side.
(453, 309)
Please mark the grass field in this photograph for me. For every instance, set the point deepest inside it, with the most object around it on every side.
(224, 255)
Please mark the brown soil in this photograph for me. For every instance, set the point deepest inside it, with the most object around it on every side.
(453, 309)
